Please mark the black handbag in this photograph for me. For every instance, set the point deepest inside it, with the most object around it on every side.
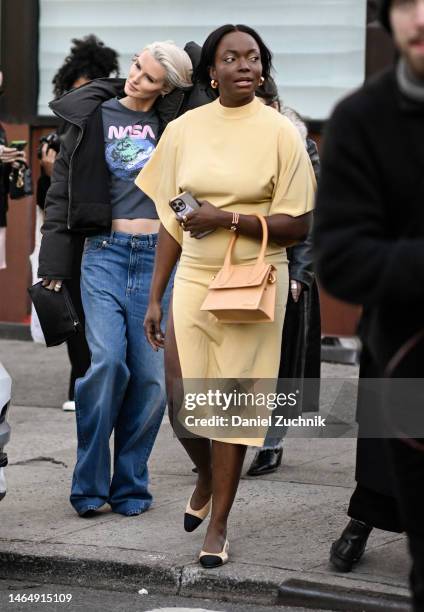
(20, 181)
(56, 313)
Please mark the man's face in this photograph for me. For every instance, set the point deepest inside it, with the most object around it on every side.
(407, 20)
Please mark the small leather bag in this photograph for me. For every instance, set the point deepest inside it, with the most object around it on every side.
(243, 293)
(20, 181)
(56, 313)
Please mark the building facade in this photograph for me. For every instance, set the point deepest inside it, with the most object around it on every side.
(322, 50)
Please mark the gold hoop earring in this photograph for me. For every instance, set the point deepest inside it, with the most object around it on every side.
(261, 80)
(214, 83)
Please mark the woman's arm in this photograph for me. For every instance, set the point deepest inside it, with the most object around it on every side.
(283, 229)
(167, 254)
(57, 244)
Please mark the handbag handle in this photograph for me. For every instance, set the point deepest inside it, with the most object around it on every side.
(261, 257)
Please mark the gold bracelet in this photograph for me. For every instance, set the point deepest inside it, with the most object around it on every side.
(234, 222)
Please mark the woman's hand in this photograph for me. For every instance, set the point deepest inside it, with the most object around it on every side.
(52, 285)
(296, 288)
(48, 157)
(152, 329)
(8, 155)
(206, 218)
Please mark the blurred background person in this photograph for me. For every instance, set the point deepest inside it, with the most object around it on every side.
(301, 341)
(369, 240)
(8, 157)
(88, 59)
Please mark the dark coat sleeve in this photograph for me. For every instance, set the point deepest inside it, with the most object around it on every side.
(356, 260)
(57, 245)
(300, 256)
(301, 262)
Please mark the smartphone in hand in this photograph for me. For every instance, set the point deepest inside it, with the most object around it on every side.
(18, 144)
(183, 204)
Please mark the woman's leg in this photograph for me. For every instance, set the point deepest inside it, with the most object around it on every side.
(198, 449)
(227, 463)
(142, 409)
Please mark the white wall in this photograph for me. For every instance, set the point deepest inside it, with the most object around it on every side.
(318, 45)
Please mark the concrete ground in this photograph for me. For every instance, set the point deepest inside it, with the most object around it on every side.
(280, 531)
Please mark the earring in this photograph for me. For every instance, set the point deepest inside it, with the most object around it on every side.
(261, 80)
(214, 83)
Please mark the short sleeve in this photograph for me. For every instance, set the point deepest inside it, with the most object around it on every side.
(158, 180)
(295, 185)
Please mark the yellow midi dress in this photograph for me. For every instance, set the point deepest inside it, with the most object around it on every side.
(247, 159)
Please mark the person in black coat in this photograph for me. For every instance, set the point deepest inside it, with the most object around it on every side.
(369, 240)
(301, 340)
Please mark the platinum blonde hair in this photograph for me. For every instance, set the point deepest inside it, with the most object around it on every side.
(176, 62)
(297, 121)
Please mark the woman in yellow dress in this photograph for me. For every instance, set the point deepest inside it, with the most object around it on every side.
(234, 155)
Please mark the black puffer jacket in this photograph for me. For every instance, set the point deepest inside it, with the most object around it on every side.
(78, 200)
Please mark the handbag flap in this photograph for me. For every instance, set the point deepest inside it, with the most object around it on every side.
(239, 276)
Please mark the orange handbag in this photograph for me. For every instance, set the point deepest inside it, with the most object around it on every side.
(243, 293)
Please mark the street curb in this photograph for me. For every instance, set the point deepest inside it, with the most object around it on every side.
(88, 572)
(15, 331)
(320, 596)
(192, 581)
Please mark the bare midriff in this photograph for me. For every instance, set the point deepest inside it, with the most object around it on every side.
(136, 226)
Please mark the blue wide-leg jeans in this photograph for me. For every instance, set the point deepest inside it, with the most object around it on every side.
(124, 389)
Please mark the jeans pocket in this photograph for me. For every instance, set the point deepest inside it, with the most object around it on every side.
(95, 243)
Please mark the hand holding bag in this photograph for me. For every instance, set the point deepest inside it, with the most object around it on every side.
(56, 313)
(243, 293)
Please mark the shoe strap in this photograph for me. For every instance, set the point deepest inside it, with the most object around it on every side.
(202, 513)
(223, 555)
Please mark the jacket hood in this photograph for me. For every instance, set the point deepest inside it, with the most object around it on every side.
(78, 104)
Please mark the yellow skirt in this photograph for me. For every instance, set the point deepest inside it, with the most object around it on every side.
(210, 350)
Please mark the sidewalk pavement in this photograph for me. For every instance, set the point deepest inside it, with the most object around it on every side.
(280, 530)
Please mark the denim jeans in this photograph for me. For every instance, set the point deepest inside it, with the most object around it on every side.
(124, 388)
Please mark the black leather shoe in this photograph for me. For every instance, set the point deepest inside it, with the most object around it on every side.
(266, 462)
(349, 548)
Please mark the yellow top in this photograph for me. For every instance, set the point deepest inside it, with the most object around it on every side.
(235, 158)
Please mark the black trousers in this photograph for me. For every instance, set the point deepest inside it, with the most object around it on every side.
(408, 466)
(78, 351)
(375, 509)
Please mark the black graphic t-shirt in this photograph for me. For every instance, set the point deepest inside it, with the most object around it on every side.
(130, 139)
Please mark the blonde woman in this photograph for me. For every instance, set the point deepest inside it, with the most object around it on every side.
(113, 128)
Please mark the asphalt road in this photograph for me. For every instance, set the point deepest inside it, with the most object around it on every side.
(93, 600)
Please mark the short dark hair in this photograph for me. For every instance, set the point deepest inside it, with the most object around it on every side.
(89, 58)
(207, 58)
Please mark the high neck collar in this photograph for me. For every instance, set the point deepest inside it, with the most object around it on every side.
(411, 86)
(238, 112)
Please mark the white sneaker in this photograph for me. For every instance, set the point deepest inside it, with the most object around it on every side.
(68, 406)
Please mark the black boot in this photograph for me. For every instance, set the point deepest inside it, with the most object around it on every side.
(266, 461)
(349, 548)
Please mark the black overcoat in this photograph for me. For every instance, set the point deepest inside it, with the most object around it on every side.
(369, 234)
(301, 340)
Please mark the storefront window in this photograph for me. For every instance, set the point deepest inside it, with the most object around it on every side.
(318, 45)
